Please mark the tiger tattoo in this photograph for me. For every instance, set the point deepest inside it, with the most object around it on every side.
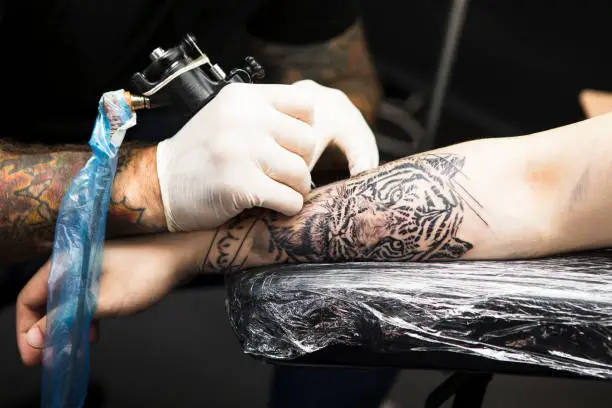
(409, 211)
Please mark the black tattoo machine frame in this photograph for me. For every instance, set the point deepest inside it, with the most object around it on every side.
(550, 317)
(184, 79)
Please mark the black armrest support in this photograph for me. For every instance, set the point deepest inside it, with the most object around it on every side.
(546, 316)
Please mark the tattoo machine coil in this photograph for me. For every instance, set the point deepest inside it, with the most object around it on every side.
(184, 78)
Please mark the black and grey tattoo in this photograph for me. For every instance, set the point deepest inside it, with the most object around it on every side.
(409, 211)
(226, 245)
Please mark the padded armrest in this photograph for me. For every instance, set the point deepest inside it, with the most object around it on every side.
(546, 316)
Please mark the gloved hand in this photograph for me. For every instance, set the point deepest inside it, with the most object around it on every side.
(338, 121)
(254, 146)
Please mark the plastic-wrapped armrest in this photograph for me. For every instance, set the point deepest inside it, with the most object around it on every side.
(545, 316)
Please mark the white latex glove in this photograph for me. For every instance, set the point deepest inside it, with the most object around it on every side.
(249, 147)
(254, 146)
(338, 121)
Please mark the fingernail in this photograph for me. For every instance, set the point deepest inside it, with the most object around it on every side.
(35, 338)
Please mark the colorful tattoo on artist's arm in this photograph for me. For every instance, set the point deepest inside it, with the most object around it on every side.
(33, 181)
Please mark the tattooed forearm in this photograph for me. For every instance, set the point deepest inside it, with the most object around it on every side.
(34, 179)
(343, 63)
(410, 210)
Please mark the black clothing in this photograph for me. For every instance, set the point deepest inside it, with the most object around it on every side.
(61, 55)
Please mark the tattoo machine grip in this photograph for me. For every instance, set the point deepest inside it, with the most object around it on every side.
(184, 78)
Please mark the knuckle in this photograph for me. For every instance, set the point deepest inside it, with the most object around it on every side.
(307, 82)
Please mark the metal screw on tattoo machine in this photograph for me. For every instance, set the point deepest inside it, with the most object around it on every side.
(184, 78)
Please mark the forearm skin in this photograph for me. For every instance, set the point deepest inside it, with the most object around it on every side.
(34, 179)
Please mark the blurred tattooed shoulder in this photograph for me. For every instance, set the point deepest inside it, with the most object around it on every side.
(409, 210)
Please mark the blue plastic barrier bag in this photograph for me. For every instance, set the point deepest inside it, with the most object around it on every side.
(76, 263)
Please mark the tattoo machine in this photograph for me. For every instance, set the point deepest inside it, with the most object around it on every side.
(184, 78)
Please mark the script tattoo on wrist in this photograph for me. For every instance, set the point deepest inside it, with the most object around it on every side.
(410, 210)
(227, 248)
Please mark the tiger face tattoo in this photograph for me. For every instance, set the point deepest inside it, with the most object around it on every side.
(410, 211)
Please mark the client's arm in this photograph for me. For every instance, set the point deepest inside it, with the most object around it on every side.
(487, 199)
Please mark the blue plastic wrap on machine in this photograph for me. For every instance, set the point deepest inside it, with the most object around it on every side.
(76, 262)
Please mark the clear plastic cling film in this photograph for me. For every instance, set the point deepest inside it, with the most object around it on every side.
(74, 279)
(551, 314)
